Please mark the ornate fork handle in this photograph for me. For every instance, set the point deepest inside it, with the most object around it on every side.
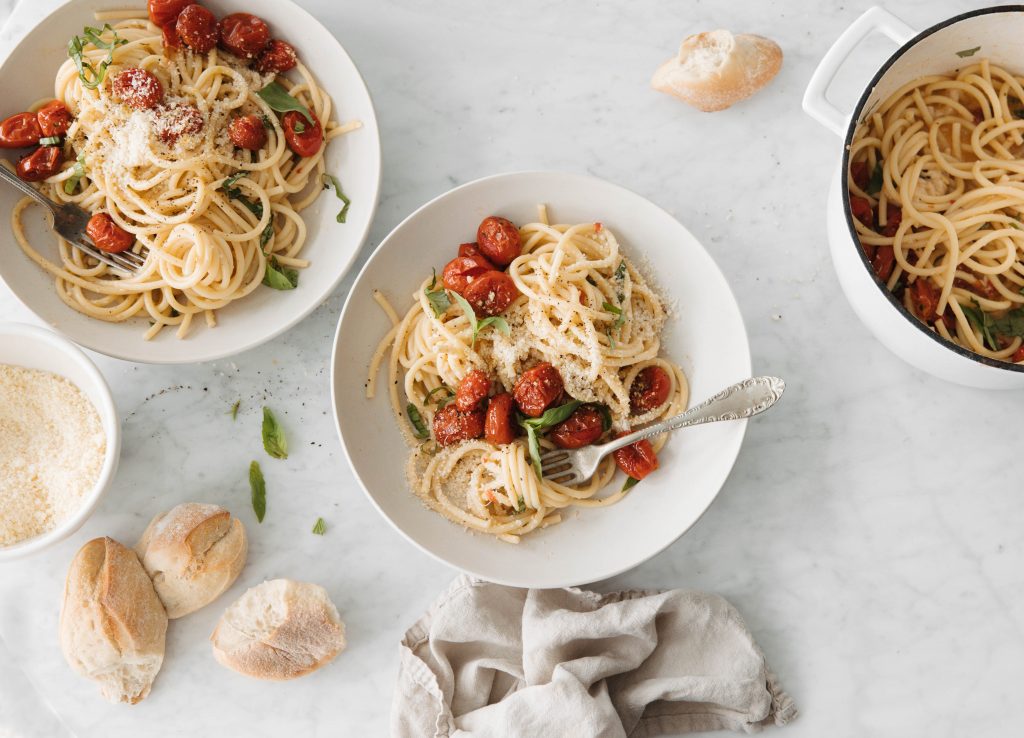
(742, 400)
(11, 178)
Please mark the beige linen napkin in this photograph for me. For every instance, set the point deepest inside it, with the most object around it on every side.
(489, 660)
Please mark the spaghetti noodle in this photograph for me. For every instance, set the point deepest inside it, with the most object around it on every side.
(213, 220)
(937, 191)
(582, 308)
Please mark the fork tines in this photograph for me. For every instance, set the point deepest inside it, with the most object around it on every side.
(127, 261)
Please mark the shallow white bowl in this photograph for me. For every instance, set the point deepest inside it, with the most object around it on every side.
(28, 74)
(706, 337)
(38, 348)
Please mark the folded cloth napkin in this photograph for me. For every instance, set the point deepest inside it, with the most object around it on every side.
(489, 660)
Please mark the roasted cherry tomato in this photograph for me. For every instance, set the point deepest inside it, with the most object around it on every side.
(176, 121)
(302, 137)
(471, 249)
(925, 298)
(451, 425)
(472, 390)
(500, 426)
(862, 211)
(1018, 355)
(197, 28)
(42, 163)
(637, 460)
(498, 239)
(491, 293)
(650, 389)
(137, 88)
(170, 37)
(108, 235)
(883, 262)
(247, 132)
(244, 35)
(580, 429)
(162, 12)
(54, 118)
(893, 218)
(19, 131)
(462, 270)
(859, 174)
(279, 56)
(537, 388)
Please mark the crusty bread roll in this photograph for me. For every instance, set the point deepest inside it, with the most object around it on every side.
(112, 624)
(279, 630)
(716, 69)
(193, 552)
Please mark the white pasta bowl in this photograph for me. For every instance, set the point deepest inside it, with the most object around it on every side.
(994, 33)
(28, 74)
(37, 348)
(705, 336)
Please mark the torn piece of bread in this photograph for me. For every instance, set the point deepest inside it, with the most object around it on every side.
(112, 624)
(716, 69)
(193, 553)
(279, 630)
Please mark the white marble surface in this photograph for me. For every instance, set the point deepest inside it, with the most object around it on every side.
(871, 532)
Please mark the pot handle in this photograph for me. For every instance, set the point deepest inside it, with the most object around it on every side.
(816, 104)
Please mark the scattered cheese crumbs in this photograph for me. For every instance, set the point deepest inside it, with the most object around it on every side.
(51, 451)
(131, 140)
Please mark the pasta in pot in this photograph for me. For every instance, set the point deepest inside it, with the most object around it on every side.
(936, 184)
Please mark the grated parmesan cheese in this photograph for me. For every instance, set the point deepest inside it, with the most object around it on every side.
(51, 451)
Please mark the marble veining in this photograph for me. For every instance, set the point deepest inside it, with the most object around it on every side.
(871, 532)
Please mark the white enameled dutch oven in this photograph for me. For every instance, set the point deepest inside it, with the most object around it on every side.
(998, 31)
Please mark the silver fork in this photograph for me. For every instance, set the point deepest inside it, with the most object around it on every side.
(69, 221)
(742, 400)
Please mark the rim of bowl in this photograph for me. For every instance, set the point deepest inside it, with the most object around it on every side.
(370, 124)
(743, 423)
(855, 240)
(107, 411)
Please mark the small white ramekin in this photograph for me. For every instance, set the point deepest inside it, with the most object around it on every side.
(38, 348)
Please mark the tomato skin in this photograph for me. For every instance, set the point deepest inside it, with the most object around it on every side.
(162, 12)
(137, 88)
(883, 262)
(279, 56)
(859, 174)
(862, 211)
(197, 28)
(20, 131)
(636, 460)
(471, 249)
(925, 298)
(307, 141)
(170, 37)
(650, 389)
(244, 34)
(499, 425)
(247, 132)
(491, 293)
(580, 429)
(54, 118)
(42, 163)
(108, 235)
(472, 390)
(452, 426)
(1018, 355)
(537, 388)
(893, 218)
(462, 270)
(498, 239)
